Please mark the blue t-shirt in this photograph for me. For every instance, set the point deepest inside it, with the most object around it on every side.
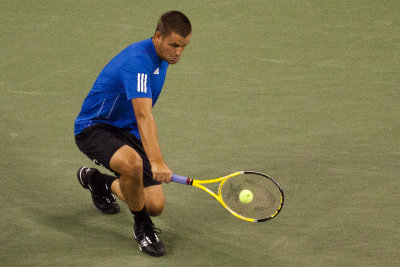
(135, 72)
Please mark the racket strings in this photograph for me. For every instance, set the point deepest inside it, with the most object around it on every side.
(266, 196)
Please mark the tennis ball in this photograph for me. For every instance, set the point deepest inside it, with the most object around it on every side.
(246, 196)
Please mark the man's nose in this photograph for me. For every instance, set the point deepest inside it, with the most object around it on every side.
(179, 50)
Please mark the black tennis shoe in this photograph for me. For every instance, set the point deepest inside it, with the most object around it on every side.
(149, 242)
(105, 203)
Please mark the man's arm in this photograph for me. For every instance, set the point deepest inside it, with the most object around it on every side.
(148, 133)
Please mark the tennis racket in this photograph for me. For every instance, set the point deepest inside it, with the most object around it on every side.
(267, 196)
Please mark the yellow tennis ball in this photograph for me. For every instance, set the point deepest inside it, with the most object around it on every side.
(246, 196)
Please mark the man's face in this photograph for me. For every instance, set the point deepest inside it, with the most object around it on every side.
(170, 48)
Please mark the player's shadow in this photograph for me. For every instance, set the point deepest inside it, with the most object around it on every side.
(87, 221)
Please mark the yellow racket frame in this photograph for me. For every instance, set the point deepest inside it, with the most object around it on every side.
(199, 184)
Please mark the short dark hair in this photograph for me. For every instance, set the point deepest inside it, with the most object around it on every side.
(174, 21)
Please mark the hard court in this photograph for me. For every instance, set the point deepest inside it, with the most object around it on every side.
(306, 91)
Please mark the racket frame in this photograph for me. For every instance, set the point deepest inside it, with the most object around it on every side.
(218, 196)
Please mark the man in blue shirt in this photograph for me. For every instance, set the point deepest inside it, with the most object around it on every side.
(116, 129)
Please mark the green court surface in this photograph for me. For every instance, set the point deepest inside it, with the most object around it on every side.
(307, 91)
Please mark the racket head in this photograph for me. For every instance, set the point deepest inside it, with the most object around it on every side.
(268, 196)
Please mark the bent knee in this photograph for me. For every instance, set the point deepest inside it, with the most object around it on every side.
(126, 161)
(155, 206)
(131, 166)
(155, 200)
(155, 210)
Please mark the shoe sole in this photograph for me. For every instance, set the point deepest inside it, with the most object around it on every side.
(79, 175)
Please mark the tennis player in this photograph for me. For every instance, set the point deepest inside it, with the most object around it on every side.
(116, 129)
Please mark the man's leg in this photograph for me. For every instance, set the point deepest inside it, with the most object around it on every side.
(154, 199)
(128, 164)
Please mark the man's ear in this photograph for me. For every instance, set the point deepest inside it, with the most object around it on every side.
(157, 35)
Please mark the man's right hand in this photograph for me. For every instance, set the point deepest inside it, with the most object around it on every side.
(161, 172)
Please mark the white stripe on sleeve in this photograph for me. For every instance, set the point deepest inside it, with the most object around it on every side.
(138, 82)
(141, 83)
(145, 83)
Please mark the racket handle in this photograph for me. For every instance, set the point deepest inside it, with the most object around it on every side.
(181, 179)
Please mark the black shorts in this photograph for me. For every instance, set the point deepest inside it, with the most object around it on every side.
(100, 142)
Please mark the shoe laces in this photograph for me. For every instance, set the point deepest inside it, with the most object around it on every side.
(110, 198)
(151, 231)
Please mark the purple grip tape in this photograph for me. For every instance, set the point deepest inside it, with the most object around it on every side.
(180, 179)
